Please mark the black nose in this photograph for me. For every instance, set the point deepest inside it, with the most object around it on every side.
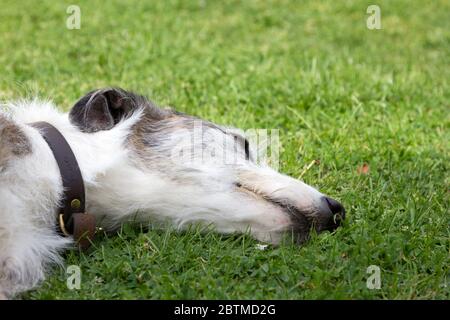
(336, 207)
(333, 214)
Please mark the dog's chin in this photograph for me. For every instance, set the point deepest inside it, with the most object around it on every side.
(304, 222)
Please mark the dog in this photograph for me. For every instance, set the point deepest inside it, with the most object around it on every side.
(142, 163)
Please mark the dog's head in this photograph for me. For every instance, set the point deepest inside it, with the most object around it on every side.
(160, 132)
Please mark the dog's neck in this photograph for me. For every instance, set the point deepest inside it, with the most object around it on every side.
(95, 152)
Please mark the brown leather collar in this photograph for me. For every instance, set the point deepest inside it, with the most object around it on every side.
(72, 217)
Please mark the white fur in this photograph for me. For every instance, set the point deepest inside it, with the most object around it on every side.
(119, 189)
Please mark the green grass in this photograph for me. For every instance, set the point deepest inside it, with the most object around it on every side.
(339, 93)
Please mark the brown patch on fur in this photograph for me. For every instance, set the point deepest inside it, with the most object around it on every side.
(149, 136)
(13, 142)
(155, 125)
(150, 122)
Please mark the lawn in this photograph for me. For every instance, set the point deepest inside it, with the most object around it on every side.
(372, 106)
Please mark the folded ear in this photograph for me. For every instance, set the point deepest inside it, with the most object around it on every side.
(102, 109)
(13, 141)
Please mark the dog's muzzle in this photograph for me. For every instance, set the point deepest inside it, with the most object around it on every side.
(72, 217)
